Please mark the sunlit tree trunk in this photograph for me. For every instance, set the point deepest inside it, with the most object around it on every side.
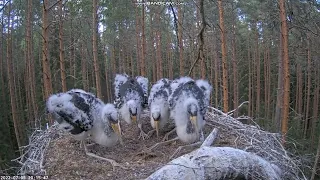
(61, 50)
(224, 59)
(95, 47)
(286, 73)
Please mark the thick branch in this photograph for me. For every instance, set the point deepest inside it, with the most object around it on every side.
(218, 163)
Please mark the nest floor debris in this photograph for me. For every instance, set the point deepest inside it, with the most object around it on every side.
(64, 159)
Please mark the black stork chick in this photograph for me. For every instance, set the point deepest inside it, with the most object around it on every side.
(159, 106)
(131, 97)
(188, 105)
(83, 115)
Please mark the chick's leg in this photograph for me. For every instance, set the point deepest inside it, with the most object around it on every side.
(113, 162)
(166, 136)
(142, 135)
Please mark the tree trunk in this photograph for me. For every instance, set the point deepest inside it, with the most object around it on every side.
(200, 18)
(250, 80)
(61, 50)
(279, 103)
(235, 68)
(84, 70)
(307, 120)
(314, 169)
(158, 45)
(95, 48)
(224, 59)
(180, 42)
(28, 76)
(170, 59)
(216, 70)
(315, 106)
(72, 49)
(269, 82)
(265, 74)
(106, 65)
(257, 60)
(32, 77)
(10, 75)
(45, 53)
(139, 55)
(299, 87)
(143, 49)
(286, 73)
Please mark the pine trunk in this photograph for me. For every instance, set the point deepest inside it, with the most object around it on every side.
(84, 70)
(32, 76)
(216, 71)
(235, 69)
(286, 73)
(158, 43)
(279, 103)
(224, 59)
(28, 76)
(315, 106)
(269, 82)
(250, 82)
(95, 48)
(306, 125)
(143, 50)
(180, 43)
(170, 59)
(138, 41)
(257, 60)
(47, 80)
(315, 166)
(61, 50)
(10, 77)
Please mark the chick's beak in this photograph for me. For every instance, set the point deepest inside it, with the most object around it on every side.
(134, 118)
(116, 128)
(193, 120)
(156, 126)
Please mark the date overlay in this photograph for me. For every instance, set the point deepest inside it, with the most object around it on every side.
(23, 177)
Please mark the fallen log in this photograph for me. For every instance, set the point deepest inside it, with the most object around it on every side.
(218, 163)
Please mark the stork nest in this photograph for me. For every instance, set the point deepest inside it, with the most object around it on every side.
(54, 153)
